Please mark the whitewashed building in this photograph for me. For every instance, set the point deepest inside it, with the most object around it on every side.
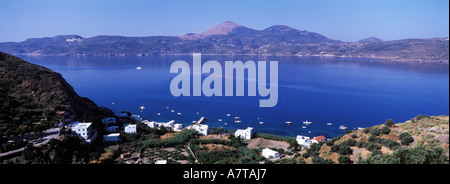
(161, 162)
(169, 125)
(129, 129)
(201, 129)
(114, 137)
(177, 127)
(268, 153)
(304, 141)
(84, 131)
(244, 133)
(109, 120)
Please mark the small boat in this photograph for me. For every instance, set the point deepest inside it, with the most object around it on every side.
(228, 114)
(237, 117)
(179, 113)
(198, 113)
(288, 122)
(142, 108)
(329, 124)
(303, 126)
(342, 127)
(307, 122)
(360, 128)
(159, 114)
(225, 123)
(220, 119)
(238, 121)
(261, 122)
(172, 111)
(138, 68)
(113, 103)
(309, 131)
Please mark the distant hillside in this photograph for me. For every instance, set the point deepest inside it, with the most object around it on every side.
(34, 98)
(424, 139)
(370, 39)
(231, 39)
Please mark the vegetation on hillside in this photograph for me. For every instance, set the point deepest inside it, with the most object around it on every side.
(422, 140)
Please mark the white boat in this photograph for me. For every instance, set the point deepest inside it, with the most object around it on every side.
(159, 113)
(261, 122)
(307, 122)
(142, 108)
(198, 113)
(138, 68)
(172, 111)
(237, 117)
(225, 123)
(113, 103)
(342, 127)
(220, 119)
(309, 131)
(179, 113)
(288, 122)
(329, 124)
(303, 126)
(238, 121)
(228, 114)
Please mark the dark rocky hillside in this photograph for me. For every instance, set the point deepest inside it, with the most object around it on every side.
(34, 98)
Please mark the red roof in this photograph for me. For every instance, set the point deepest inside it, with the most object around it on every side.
(319, 138)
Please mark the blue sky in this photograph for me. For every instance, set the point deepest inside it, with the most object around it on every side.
(346, 20)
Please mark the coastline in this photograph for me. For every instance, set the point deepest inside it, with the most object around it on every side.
(379, 58)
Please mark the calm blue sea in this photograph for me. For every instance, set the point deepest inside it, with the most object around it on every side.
(350, 92)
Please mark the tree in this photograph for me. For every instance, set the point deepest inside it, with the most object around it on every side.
(344, 159)
(385, 130)
(375, 131)
(406, 140)
(389, 123)
(345, 150)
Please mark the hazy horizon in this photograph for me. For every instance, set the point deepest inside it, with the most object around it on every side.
(348, 20)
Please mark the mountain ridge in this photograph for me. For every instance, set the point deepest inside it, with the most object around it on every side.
(230, 38)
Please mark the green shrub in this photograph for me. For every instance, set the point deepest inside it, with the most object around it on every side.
(344, 159)
(407, 140)
(385, 130)
(389, 123)
(345, 150)
(375, 131)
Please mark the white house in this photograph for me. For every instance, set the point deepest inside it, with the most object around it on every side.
(201, 129)
(304, 141)
(109, 120)
(177, 127)
(244, 133)
(84, 130)
(114, 137)
(112, 129)
(161, 162)
(168, 124)
(154, 124)
(268, 153)
(129, 129)
(151, 124)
